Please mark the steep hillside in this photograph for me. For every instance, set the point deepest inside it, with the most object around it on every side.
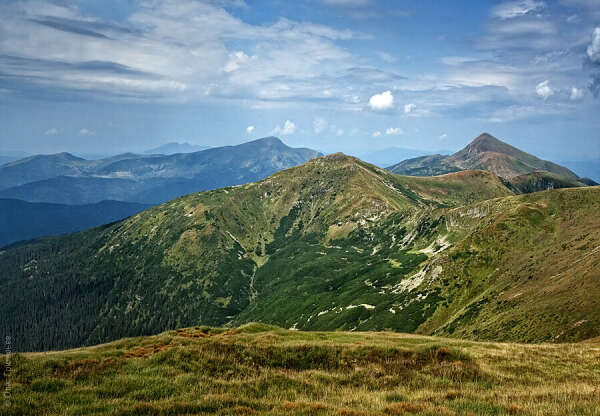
(528, 270)
(264, 370)
(20, 220)
(332, 244)
(148, 179)
(485, 153)
(206, 257)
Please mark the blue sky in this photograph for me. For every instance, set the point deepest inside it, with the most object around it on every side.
(335, 75)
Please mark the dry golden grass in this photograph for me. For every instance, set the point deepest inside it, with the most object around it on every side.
(259, 369)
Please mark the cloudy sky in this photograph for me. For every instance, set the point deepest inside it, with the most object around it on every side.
(335, 75)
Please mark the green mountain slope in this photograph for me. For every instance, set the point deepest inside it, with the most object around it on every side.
(529, 269)
(486, 153)
(332, 244)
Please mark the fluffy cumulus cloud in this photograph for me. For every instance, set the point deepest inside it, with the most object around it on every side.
(289, 128)
(513, 9)
(394, 131)
(409, 108)
(376, 134)
(51, 132)
(544, 90)
(250, 129)
(85, 132)
(383, 101)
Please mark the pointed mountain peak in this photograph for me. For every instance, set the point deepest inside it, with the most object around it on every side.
(485, 138)
(488, 143)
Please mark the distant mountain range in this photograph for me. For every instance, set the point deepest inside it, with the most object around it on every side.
(150, 179)
(20, 220)
(174, 147)
(522, 171)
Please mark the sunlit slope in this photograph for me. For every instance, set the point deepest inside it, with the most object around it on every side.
(529, 270)
(208, 257)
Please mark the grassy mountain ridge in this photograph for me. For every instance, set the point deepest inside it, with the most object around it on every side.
(486, 153)
(335, 243)
(260, 369)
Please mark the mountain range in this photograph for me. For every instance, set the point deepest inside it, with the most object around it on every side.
(149, 179)
(488, 153)
(172, 148)
(335, 243)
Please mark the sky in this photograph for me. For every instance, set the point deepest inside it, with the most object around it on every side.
(334, 75)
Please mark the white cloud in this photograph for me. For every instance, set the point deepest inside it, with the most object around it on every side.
(409, 108)
(443, 136)
(543, 90)
(576, 94)
(339, 132)
(593, 50)
(376, 134)
(236, 60)
(85, 132)
(288, 128)
(51, 132)
(250, 129)
(512, 9)
(383, 101)
(319, 124)
(457, 60)
(525, 27)
(174, 50)
(394, 131)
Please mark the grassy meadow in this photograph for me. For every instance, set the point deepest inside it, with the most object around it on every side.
(260, 369)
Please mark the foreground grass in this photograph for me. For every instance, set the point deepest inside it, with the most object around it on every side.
(258, 369)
